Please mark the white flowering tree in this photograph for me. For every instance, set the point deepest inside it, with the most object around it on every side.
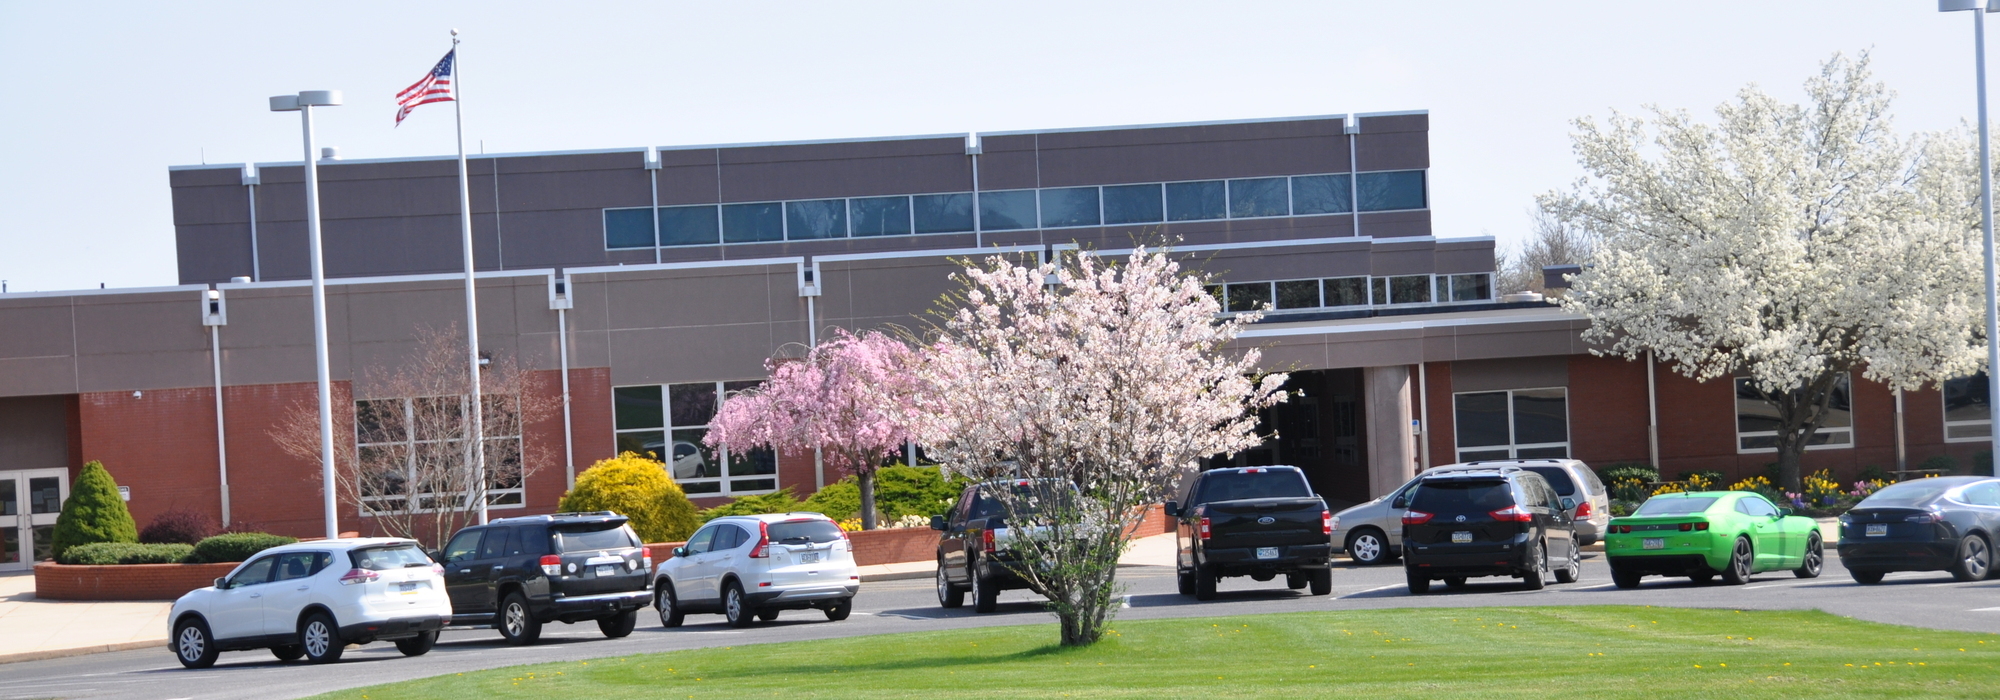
(1109, 377)
(1794, 244)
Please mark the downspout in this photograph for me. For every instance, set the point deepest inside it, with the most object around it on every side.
(1352, 126)
(250, 180)
(1423, 420)
(221, 439)
(559, 299)
(653, 171)
(973, 148)
(1652, 415)
(809, 288)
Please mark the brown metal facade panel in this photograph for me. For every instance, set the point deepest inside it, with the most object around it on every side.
(212, 253)
(708, 353)
(405, 245)
(539, 190)
(205, 177)
(1510, 373)
(1008, 163)
(1401, 259)
(681, 298)
(34, 432)
(30, 376)
(220, 203)
(1464, 257)
(1396, 150)
(36, 327)
(870, 293)
(1396, 224)
(1263, 264)
(1256, 149)
(118, 324)
(850, 169)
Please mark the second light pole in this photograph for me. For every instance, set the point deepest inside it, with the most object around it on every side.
(303, 104)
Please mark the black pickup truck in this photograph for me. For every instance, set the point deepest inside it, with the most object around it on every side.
(972, 554)
(1252, 521)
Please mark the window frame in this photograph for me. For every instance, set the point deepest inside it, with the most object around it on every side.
(1512, 448)
(509, 498)
(724, 457)
(1741, 435)
(1945, 416)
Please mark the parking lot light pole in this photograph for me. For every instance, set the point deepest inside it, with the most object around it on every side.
(1979, 11)
(303, 104)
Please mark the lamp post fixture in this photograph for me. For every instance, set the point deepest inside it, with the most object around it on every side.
(1979, 11)
(303, 104)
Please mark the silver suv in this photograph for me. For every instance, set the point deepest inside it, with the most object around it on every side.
(1372, 533)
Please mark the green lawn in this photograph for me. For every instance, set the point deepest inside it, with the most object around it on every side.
(1485, 653)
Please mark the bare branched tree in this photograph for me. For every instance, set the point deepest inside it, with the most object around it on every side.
(1551, 241)
(401, 453)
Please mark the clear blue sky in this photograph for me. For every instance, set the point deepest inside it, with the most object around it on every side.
(97, 99)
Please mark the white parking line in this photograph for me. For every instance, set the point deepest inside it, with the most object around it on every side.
(1772, 585)
(1377, 588)
(1592, 588)
(1984, 610)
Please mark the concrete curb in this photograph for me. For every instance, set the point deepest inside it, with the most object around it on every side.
(41, 654)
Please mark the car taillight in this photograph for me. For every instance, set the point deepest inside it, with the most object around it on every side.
(648, 561)
(1693, 527)
(1513, 514)
(986, 540)
(1326, 522)
(1621, 529)
(551, 565)
(1583, 510)
(1204, 528)
(1416, 517)
(1924, 519)
(437, 569)
(763, 549)
(354, 576)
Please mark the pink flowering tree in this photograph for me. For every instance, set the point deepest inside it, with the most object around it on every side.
(1095, 385)
(846, 396)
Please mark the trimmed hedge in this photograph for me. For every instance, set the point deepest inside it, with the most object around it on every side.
(781, 501)
(94, 512)
(900, 491)
(108, 553)
(236, 546)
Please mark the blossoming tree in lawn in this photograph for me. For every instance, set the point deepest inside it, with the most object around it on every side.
(845, 397)
(1111, 378)
(1791, 243)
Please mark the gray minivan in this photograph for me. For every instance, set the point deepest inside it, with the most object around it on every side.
(1372, 533)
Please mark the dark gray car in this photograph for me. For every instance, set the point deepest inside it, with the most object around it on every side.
(1944, 523)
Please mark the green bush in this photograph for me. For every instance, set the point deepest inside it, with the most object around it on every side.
(93, 513)
(840, 500)
(781, 501)
(235, 546)
(899, 491)
(637, 488)
(107, 553)
(1941, 464)
(1628, 470)
(1874, 473)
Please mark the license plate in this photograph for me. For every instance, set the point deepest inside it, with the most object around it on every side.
(1461, 537)
(607, 570)
(1878, 529)
(409, 587)
(1653, 543)
(809, 558)
(1267, 552)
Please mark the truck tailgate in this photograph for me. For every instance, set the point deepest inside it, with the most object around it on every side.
(1265, 522)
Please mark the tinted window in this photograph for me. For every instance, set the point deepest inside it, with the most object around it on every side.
(1132, 204)
(1675, 506)
(879, 216)
(1410, 289)
(1007, 211)
(1347, 291)
(1541, 415)
(798, 531)
(628, 228)
(462, 547)
(730, 537)
(1249, 296)
(385, 558)
(1298, 294)
(495, 545)
(637, 407)
(528, 539)
(1390, 191)
(1239, 485)
(254, 573)
(1456, 496)
(1194, 201)
(1469, 287)
(703, 540)
(1321, 194)
(750, 223)
(1757, 506)
(1069, 206)
(293, 565)
(1264, 196)
(1026, 493)
(580, 538)
(821, 218)
(1481, 418)
(1558, 479)
(942, 213)
(689, 225)
(1908, 493)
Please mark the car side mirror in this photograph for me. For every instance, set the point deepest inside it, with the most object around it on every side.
(1173, 510)
(1569, 503)
(937, 523)
(1400, 502)
(680, 551)
(222, 582)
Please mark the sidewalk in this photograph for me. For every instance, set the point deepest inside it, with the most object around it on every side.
(1157, 550)
(44, 629)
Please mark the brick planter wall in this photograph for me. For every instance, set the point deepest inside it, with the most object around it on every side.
(124, 582)
(894, 545)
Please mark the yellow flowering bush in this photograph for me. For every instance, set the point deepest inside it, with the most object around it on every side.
(1755, 483)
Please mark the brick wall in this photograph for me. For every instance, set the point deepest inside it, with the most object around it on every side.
(161, 444)
(893, 546)
(124, 582)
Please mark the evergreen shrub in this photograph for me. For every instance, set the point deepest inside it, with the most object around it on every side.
(109, 553)
(93, 513)
(639, 489)
(235, 546)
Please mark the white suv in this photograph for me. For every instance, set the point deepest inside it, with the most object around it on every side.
(312, 599)
(750, 567)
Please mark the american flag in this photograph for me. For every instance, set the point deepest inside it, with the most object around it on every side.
(434, 87)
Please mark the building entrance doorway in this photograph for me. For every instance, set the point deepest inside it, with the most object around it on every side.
(30, 500)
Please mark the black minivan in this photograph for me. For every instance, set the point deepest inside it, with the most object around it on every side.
(1505, 521)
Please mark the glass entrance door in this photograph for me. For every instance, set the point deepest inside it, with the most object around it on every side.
(29, 503)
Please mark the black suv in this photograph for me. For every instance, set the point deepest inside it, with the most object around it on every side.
(1506, 521)
(1252, 521)
(517, 573)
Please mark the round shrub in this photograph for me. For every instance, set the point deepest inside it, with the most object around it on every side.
(900, 492)
(775, 502)
(182, 526)
(235, 546)
(639, 489)
(93, 513)
(840, 500)
(109, 553)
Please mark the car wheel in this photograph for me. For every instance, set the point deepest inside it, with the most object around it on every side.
(1184, 582)
(985, 598)
(949, 596)
(1975, 559)
(1740, 560)
(288, 652)
(1538, 568)
(1625, 579)
(1204, 583)
(193, 644)
(517, 625)
(1295, 581)
(1321, 581)
(1419, 583)
(1368, 547)
(1454, 582)
(418, 645)
(736, 606)
(768, 615)
(1815, 559)
(1867, 577)
(618, 625)
(1574, 569)
(663, 601)
(321, 639)
(840, 609)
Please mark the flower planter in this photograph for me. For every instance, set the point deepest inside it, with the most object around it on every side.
(125, 581)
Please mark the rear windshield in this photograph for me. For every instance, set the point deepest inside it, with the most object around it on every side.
(801, 531)
(1675, 506)
(1031, 495)
(1237, 486)
(1559, 478)
(1454, 496)
(574, 539)
(390, 557)
(1908, 493)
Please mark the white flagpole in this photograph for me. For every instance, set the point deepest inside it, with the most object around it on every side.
(476, 409)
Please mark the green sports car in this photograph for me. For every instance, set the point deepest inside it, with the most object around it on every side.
(1705, 533)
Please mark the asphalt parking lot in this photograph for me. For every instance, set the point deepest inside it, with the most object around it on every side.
(1918, 599)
